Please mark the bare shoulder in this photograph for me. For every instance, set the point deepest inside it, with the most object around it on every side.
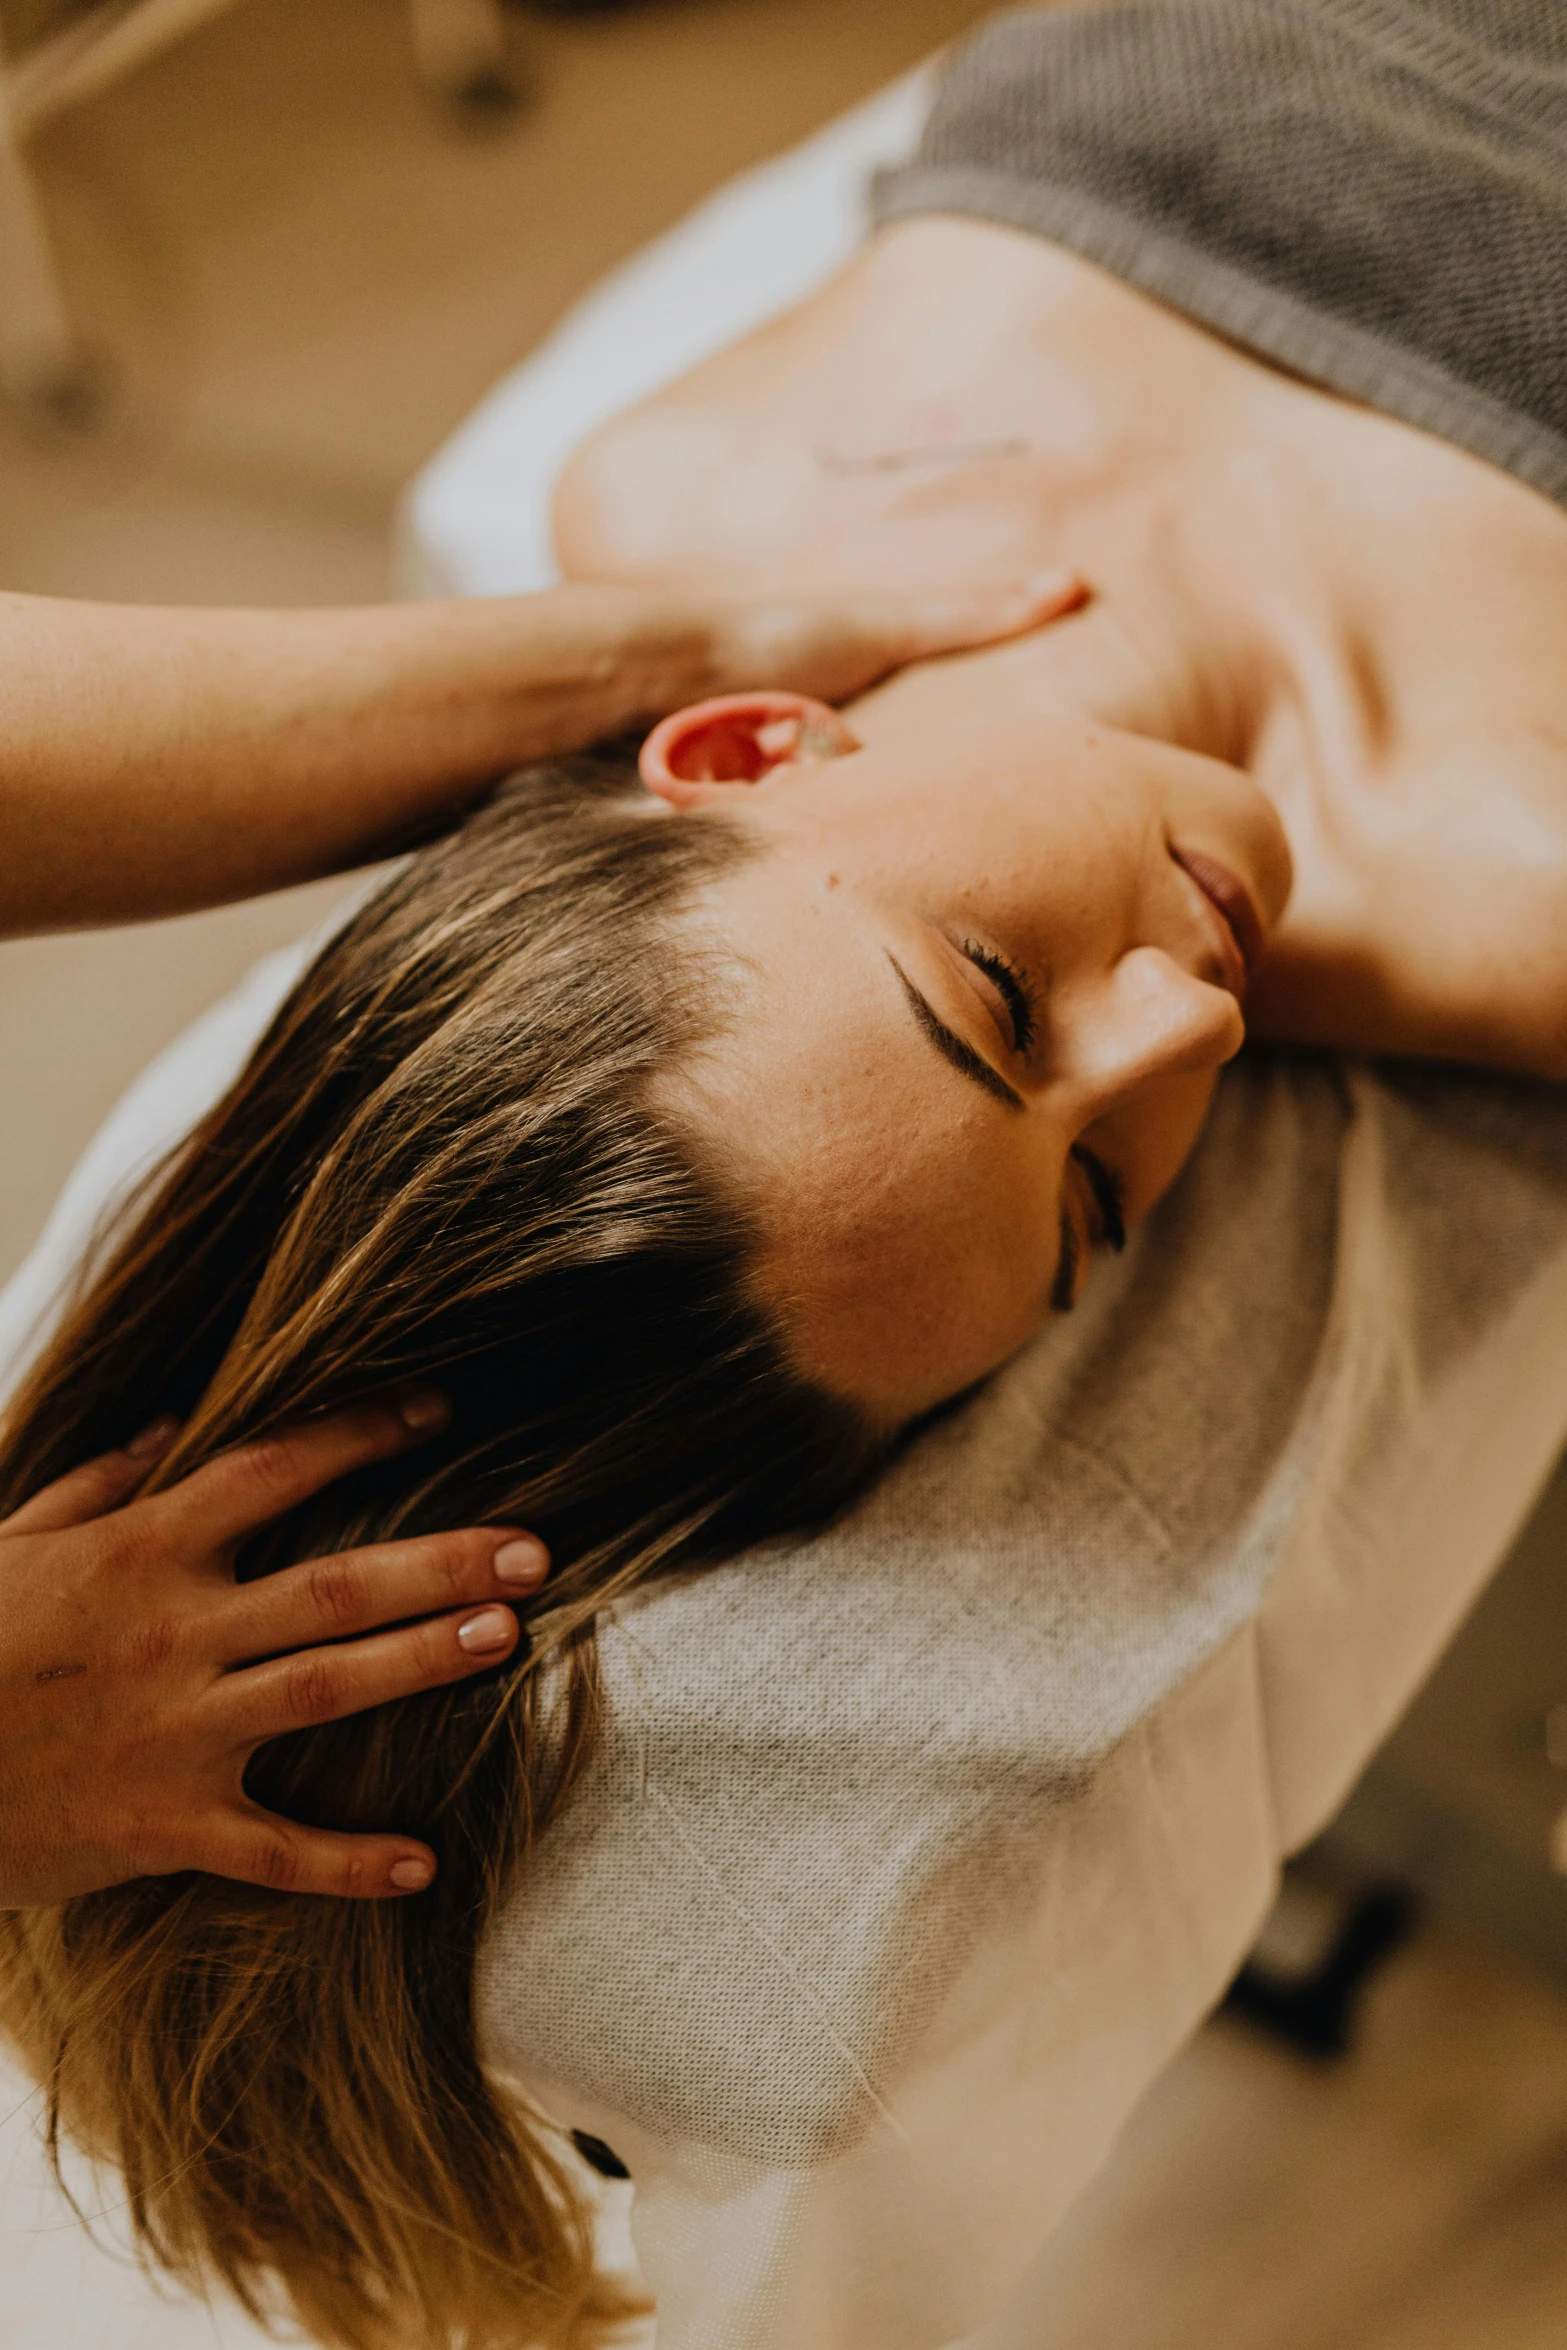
(618, 504)
(703, 476)
(1437, 924)
(757, 462)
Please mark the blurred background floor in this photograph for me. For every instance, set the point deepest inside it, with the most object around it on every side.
(1411, 2197)
(305, 273)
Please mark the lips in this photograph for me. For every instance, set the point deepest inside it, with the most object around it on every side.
(1230, 898)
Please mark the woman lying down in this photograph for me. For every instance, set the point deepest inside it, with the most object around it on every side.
(699, 1131)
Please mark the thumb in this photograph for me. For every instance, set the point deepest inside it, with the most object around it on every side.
(959, 620)
(96, 1487)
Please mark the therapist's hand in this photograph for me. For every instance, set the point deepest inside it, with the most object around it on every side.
(836, 646)
(137, 1678)
(153, 761)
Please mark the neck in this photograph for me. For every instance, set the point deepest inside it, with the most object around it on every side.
(1163, 645)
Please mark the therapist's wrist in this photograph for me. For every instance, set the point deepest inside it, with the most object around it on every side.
(574, 665)
(624, 657)
(551, 673)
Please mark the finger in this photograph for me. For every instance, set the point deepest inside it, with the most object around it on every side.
(357, 1590)
(255, 1847)
(96, 1487)
(953, 623)
(325, 1684)
(244, 1489)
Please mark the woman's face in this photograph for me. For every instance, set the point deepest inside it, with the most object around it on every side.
(985, 991)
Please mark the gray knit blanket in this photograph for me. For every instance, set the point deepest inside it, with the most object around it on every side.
(1372, 193)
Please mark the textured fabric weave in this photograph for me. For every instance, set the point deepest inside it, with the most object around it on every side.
(911, 1852)
(818, 1760)
(1372, 193)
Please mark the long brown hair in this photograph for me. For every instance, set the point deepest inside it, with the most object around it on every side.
(441, 1162)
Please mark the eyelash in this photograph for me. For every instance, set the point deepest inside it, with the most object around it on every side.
(1014, 987)
(1105, 1185)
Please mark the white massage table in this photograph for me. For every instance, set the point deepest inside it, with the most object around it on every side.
(913, 1852)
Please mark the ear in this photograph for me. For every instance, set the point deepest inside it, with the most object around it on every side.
(705, 753)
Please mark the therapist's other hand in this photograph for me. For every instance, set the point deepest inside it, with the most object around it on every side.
(137, 1678)
(836, 646)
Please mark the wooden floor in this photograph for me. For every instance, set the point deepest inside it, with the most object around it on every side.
(1413, 2197)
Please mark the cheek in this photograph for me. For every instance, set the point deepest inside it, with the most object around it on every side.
(1148, 1141)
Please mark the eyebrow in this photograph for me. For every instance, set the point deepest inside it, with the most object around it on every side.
(951, 1046)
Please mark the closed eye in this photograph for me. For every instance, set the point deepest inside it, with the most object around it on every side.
(1012, 986)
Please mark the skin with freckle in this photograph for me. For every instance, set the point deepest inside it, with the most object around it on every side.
(1365, 620)
(913, 1207)
(1314, 637)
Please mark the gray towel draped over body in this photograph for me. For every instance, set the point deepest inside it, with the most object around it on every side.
(1371, 193)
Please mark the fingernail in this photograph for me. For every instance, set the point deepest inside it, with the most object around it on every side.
(422, 1410)
(412, 1875)
(154, 1439)
(524, 1560)
(492, 1628)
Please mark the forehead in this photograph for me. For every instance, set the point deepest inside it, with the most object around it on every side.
(902, 1247)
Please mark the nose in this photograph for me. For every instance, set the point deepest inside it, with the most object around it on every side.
(1149, 1019)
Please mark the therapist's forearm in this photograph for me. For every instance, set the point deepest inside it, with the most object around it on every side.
(156, 760)
(153, 761)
